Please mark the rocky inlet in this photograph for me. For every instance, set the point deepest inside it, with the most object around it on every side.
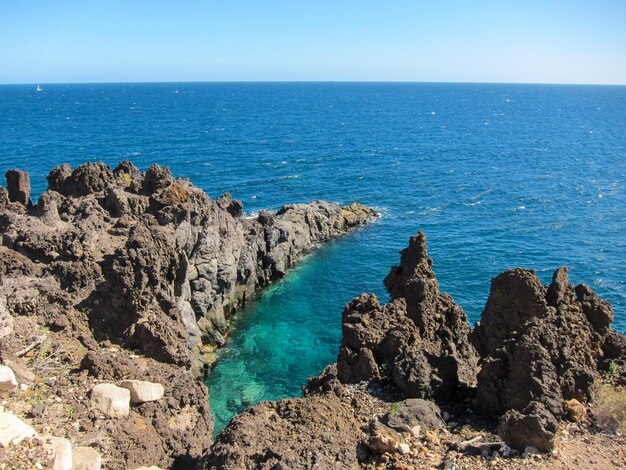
(412, 379)
(115, 287)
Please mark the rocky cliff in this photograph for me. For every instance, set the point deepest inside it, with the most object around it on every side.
(119, 274)
(406, 367)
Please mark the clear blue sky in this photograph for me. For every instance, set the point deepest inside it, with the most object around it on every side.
(44, 41)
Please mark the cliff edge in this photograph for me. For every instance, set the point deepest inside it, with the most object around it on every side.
(116, 285)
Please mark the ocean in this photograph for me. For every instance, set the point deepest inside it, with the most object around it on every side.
(498, 176)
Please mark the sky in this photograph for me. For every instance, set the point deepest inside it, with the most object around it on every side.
(523, 41)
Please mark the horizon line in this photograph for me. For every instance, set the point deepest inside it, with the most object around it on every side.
(165, 82)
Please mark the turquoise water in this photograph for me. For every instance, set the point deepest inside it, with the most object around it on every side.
(497, 175)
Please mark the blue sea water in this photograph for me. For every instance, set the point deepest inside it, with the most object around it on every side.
(498, 176)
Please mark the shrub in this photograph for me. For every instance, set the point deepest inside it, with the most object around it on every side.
(609, 407)
(614, 371)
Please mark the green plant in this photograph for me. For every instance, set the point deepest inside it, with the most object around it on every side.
(614, 371)
(44, 351)
(70, 411)
(39, 395)
(394, 408)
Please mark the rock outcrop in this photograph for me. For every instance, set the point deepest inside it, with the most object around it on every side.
(129, 278)
(539, 347)
(420, 339)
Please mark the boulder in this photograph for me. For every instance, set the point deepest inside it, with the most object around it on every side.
(13, 430)
(407, 414)
(86, 458)
(536, 427)
(142, 391)
(111, 400)
(18, 186)
(7, 379)
(575, 410)
(381, 439)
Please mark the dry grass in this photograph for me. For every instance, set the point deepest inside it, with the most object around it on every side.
(609, 407)
(174, 194)
(124, 179)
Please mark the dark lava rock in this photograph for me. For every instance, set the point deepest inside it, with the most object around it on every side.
(18, 186)
(539, 346)
(420, 339)
(120, 260)
(313, 432)
(414, 412)
(536, 427)
(614, 349)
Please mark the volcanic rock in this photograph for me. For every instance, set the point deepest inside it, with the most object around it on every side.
(18, 186)
(113, 261)
(318, 431)
(539, 347)
(414, 412)
(420, 338)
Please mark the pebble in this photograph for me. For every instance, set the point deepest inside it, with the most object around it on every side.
(404, 448)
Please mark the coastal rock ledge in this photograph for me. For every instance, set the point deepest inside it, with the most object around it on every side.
(121, 275)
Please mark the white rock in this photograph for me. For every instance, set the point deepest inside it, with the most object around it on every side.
(86, 458)
(62, 453)
(416, 430)
(7, 379)
(113, 401)
(13, 430)
(404, 448)
(445, 416)
(151, 467)
(141, 391)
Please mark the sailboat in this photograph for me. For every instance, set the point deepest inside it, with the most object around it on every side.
(38, 88)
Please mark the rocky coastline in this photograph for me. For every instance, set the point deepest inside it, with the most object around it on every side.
(415, 387)
(117, 285)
